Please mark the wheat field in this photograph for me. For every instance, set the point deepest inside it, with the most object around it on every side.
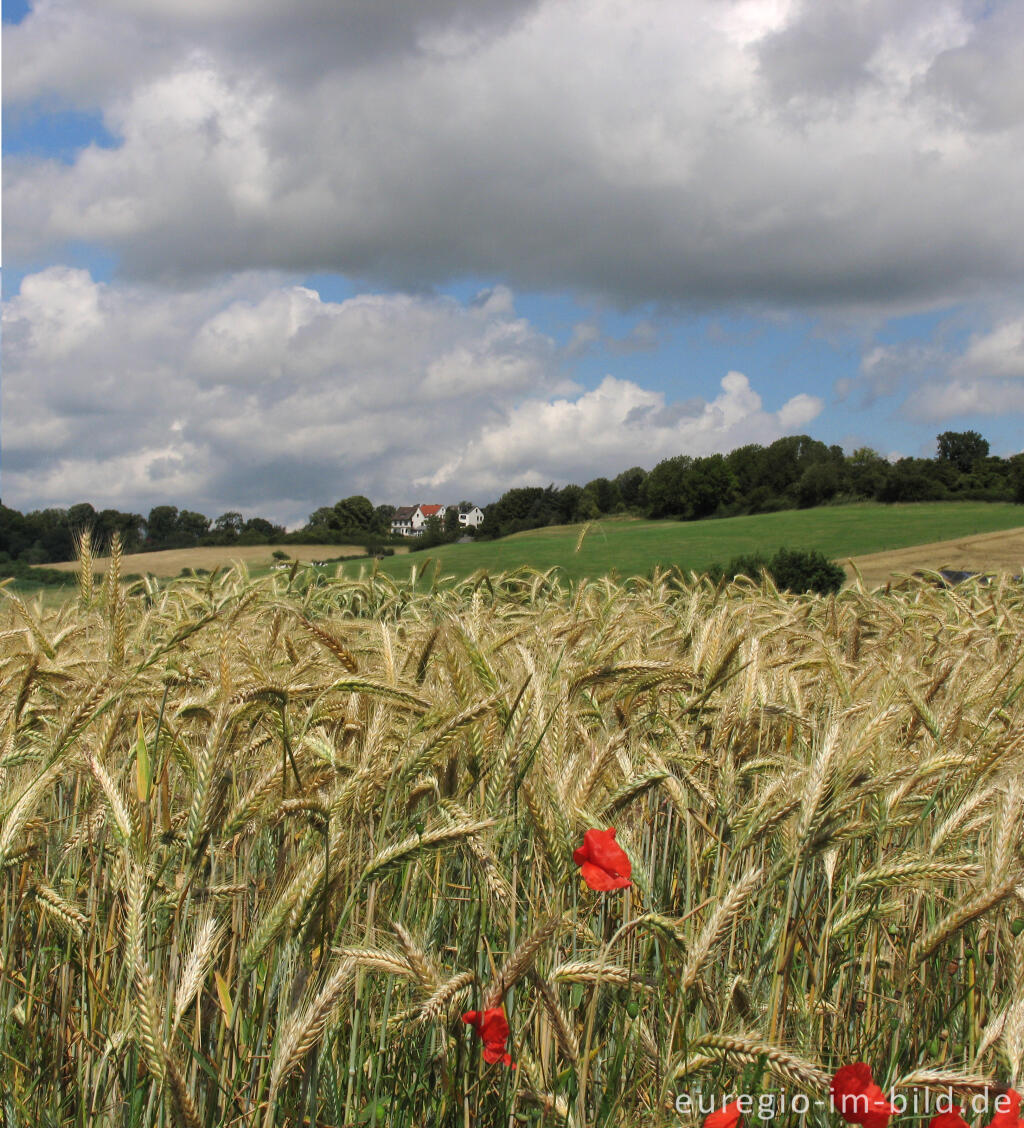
(263, 842)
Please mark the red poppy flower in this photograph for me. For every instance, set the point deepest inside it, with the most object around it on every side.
(602, 861)
(1007, 1111)
(857, 1098)
(952, 1119)
(492, 1026)
(727, 1117)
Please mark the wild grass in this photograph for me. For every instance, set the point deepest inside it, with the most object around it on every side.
(262, 843)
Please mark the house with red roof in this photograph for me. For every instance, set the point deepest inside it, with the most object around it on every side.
(410, 520)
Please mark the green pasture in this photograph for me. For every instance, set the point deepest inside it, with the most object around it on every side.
(631, 547)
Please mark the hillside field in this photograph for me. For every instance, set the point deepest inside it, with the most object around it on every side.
(171, 561)
(630, 547)
(268, 848)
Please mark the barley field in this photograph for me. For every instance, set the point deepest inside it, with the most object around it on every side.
(264, 842)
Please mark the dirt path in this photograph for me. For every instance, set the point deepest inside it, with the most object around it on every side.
(987, 552)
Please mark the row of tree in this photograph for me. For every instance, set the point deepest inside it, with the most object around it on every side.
(796, 471)
(793, 472)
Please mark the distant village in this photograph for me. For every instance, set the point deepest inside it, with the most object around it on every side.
(411, 520)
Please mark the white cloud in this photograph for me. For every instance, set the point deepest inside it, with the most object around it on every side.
(260, 395)
(987, 378)
(615, 425)
(665, 150)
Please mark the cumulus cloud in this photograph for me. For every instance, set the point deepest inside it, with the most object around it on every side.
(613, 425)
(987, 378)
(760, 151)
(257, 394)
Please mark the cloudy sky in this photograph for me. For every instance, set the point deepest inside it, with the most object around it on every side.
(428, 249)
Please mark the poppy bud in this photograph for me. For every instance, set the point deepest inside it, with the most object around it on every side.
(1017, 926)
(632, 1008)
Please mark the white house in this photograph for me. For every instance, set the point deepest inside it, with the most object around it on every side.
(410, 520)
(470, 515)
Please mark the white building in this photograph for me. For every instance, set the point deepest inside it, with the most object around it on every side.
(410, 520)
(470, 515)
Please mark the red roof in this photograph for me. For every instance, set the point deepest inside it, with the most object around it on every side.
(430, 510)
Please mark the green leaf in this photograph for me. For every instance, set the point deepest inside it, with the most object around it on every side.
(143, 765)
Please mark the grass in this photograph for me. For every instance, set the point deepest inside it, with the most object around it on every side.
(262, 843)
(634, 547)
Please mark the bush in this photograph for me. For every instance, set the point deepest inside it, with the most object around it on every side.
(791, 569)
(277, 554)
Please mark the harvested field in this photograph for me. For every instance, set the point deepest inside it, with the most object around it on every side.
(987, 553)
(171, 561)
(264, 843)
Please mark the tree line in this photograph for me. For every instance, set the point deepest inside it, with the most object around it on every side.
(46, 536)
(793, 472)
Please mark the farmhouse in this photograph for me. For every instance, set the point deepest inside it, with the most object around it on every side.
(470, 515)
(410, 520)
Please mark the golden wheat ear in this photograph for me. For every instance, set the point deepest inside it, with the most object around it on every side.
(83, 550)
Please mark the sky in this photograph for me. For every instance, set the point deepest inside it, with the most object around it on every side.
(261, 256)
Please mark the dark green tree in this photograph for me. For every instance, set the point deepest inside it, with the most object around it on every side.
(263, 528)
(962, 448)
(665, 486)
(229, 525)
(193, 525)
(382, 519)
(433, 533)
(162, 525)
(81, 516)
(708, 484)
(354, 514)
(630, 485)
(606, 494)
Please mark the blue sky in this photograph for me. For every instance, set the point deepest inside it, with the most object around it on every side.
(413, 250)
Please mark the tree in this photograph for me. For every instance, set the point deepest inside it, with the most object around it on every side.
(630, 483)
(1016, 477)
(818, 483)
(606, 494)
(261, 527)
(162, 524)
(708, 483)
(354, 514)
(81, 516)
(912, 479)
(193, 525)
(451, 523)
(229, 524)
(433, 533)
(382, 519)
(866, 472)
(747, 463)
(664, 486)
(962, 448)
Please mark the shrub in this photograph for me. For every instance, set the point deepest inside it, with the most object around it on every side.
(791, 569)
(277, 554)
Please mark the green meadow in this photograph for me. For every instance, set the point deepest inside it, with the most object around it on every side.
(631, 547)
